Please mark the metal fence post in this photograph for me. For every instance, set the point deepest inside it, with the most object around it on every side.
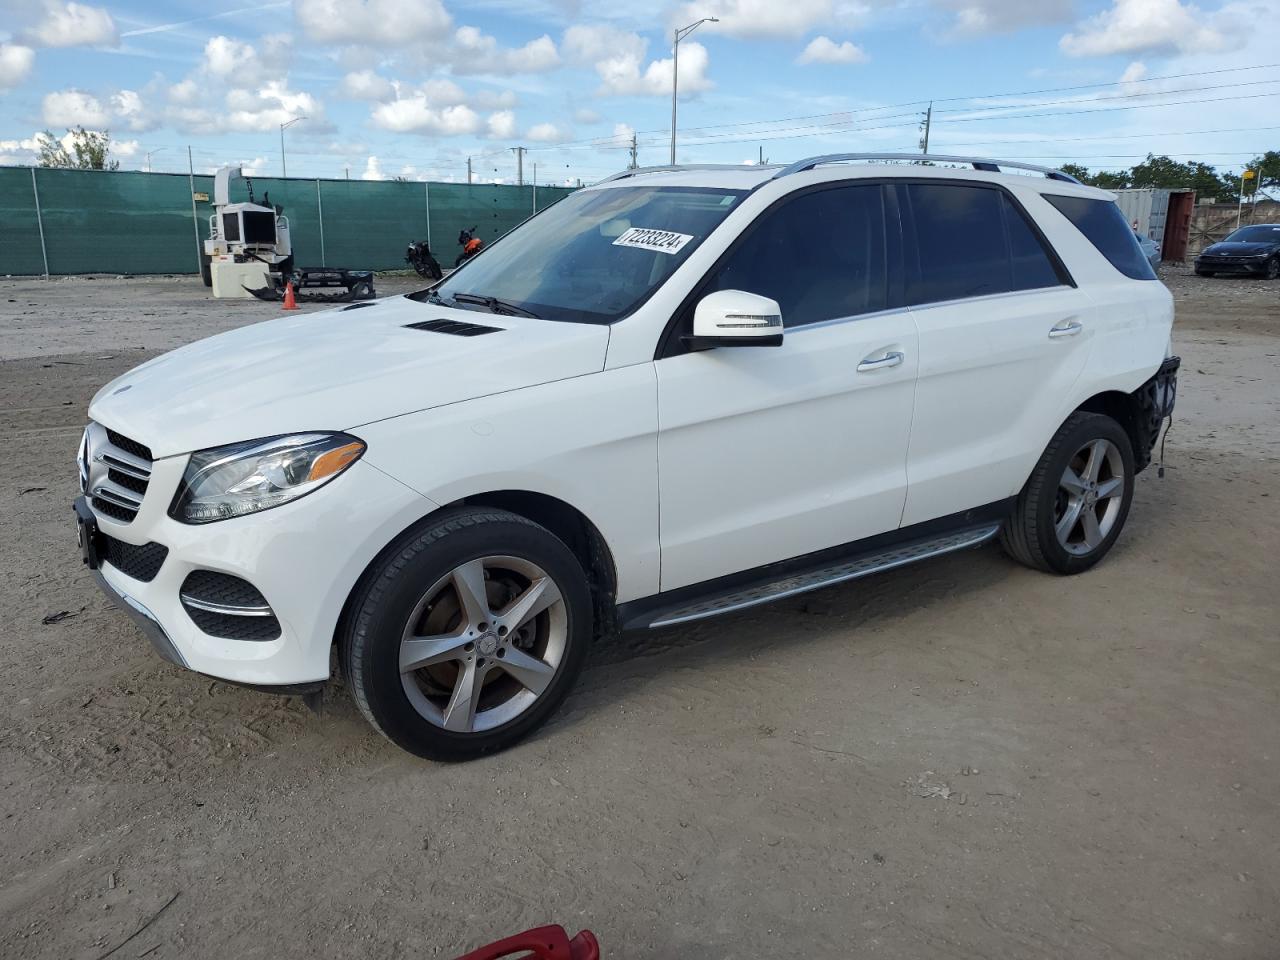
(195, 218)
(320, 212)
(426, 199)
(44, 253)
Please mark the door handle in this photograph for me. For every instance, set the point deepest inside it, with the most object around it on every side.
(891, 359)
(1067, 328)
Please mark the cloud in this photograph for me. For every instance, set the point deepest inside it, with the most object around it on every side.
(501, 125)
(73, 108)
(762, 19)
(128, 107)
(73, 25)
(1134, 71)
(395, 23)
(475, 52)
(416, 114)
(825, 50)
(239, 64)
(366, 85)
(586, 116)
(373, 170)
(267, 107)
(983, 17)
(495, 99)
(618, 57)
(545, 133)
(15, 63)
(1147, 26)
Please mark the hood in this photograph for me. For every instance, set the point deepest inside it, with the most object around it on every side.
(1238, 249)
(335, 370)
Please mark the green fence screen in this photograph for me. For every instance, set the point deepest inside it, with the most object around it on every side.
(97, 221)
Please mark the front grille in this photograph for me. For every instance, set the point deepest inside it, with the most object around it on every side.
(229, 607)
(118, 473)
(140, 562)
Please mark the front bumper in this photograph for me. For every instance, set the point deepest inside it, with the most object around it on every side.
(304, 557)
(1250, 266)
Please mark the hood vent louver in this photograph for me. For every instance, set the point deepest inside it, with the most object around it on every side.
(455, 328)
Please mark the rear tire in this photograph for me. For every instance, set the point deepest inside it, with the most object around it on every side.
(449, 672)
(206, 269)
(1075, 503)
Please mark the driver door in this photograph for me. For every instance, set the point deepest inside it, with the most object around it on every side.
(768, 453)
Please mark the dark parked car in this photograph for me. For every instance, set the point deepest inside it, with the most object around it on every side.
(1253, 250)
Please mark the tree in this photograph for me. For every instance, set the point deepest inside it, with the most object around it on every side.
(1267, 167)
(90, 149)
(1159, 171)
(1105, 179)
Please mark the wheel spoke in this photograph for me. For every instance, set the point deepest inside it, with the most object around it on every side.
(460, 714)
(529, 671)
(1092, 532)
(1070, 517)
(540, 594)
(419, 652)
(1110, 488)
(468, 580)
(1072, 483)
(1097, 454)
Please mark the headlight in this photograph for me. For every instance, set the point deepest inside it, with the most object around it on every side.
(257, 475)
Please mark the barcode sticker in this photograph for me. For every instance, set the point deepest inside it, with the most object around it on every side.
(664, 241)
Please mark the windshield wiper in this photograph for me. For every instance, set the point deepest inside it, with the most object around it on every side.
(495, 305)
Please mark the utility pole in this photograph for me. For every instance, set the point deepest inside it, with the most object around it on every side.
(468, 170)
(535, 186)
(347, 170)
(519, 152)
(928, 121)
(635, 163)
(149, 153)
(675, 74)
(761, 155)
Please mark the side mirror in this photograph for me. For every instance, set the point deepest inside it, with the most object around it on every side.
(735, 318)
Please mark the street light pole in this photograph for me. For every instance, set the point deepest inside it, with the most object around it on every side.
(675, 74)
(284, 168)
(149, 153)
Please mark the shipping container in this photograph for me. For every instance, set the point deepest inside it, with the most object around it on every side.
(1148, 211)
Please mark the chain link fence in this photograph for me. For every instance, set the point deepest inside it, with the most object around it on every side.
(124, 222)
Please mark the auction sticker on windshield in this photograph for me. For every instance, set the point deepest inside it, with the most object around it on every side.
(664, 241)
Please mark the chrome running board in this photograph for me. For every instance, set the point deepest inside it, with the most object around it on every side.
(849, 569)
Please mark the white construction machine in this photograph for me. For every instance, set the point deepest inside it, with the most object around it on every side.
(249, 253)
(247, 241)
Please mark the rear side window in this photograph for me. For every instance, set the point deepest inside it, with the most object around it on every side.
(1104, 226)
(974, 241)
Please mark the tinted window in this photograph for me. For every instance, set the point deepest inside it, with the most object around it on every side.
(961, 239)
(820, 255)
(1032, 266)
(1104, 225)
(1259, 233)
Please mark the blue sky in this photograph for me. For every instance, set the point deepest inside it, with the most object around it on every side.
(413, 87)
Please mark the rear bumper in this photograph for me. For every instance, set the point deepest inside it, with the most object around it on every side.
(1156, 399)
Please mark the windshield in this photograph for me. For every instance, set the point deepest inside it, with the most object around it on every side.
(591, 258)
(1259, 233)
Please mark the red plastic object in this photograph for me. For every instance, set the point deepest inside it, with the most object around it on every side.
(541, 943)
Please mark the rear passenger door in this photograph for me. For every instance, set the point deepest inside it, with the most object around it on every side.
(1004, 333)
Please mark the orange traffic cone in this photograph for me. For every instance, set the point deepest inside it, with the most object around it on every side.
(289, 302)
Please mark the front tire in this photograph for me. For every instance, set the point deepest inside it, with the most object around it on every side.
(1204, 273)
(1074, 506)
(1273, 269)
(467, 634)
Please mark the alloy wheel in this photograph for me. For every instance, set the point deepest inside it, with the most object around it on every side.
(1090, 495)
(483, 643)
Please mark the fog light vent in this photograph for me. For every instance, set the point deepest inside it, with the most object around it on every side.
(226, 606)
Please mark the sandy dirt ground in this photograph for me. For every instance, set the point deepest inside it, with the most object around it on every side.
(959, 759)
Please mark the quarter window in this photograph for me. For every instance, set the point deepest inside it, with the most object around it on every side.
(821, 255)
(1104, 225)
(973, 241)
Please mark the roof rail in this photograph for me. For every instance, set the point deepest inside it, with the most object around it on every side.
(978, 163)
(640, 171)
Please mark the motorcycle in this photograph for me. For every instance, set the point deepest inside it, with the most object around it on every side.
(470, 244)
(419, 257)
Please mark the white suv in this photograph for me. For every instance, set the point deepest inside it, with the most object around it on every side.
(458, 489)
